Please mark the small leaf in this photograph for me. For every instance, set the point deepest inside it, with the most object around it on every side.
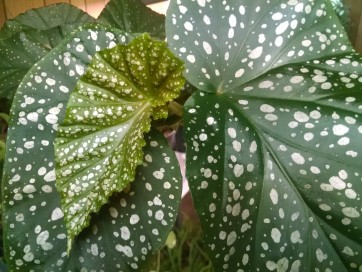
(171, 240)
(28, 37)
(134, 17)
(274, 135)
(99, 145)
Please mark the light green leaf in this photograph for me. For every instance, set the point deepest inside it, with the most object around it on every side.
(99, 144)
(274, 135)
(171, 240)
(134, 17)
(28, 37)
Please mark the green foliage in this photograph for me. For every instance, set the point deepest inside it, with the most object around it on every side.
(52, 23)
(27, 38)
(273, 135)
(123, 234)
(35, 114)
(134, 17)
(272, 125)
(99, 144)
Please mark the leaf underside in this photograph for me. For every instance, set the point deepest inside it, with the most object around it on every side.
(273, 133)
(28, 37)
(99, 144)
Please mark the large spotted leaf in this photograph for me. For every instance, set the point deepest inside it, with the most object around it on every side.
(28, 37)
(133, 16)
(99, 144)
(34, 228)
(274, 134)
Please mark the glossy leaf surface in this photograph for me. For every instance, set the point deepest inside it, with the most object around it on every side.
(274, 134)
(99, 144)
(35, 233)
(27, 38)
(134, 17)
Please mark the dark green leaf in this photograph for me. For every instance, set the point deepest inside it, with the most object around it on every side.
(34, 229)
(134, 17)
(28, 37)
(62, 18)
(273, 138)
(99, 144)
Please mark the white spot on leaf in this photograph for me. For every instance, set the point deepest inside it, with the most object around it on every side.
(274, 196)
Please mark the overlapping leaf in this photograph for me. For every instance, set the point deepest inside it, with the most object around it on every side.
(28, 37)
(99, 144)
(134, 17)
(35, 233)
(274, 134)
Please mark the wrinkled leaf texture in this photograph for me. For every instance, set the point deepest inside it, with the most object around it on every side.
(99, 143)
